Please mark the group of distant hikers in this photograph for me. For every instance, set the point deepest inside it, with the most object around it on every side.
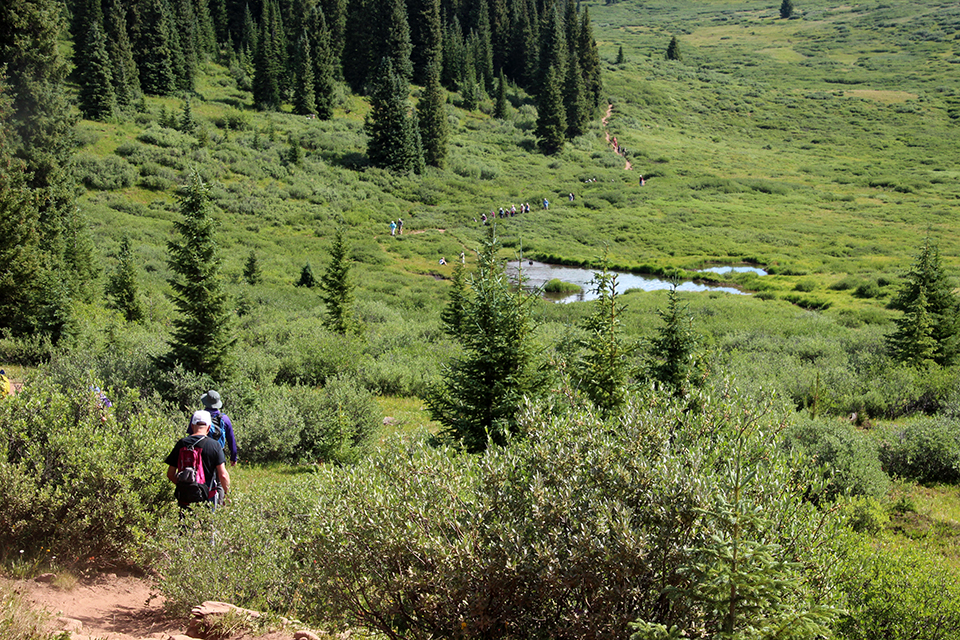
(197, 465)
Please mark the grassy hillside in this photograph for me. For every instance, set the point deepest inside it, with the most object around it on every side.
(820, 146)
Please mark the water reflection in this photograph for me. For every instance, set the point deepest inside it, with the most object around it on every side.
(728, 269)
(537, 274)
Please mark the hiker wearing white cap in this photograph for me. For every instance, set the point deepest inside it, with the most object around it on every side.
(197, 467)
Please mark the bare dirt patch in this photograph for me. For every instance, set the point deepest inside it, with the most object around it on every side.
(108, 606)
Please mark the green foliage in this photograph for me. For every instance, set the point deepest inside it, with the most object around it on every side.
(123, 288)
(786, 9)
(576, 529)
(203, 335)
(924, 450)
(307, 279)
(80, 482)
(19, 620)
(848, 459)
(432, 117)
(899, 594)
(253, 562)
(97, 98)
(392, 143)
(336, 288)
(673, 50)
(928, 330)
(603, 370)
(674, 357)
(481, 392)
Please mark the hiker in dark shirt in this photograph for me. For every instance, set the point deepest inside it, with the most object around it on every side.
(216, 476)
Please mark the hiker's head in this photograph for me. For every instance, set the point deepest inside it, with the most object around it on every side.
(200, 423)
(211, 400)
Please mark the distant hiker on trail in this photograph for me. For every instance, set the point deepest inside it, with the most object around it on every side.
(463, 258)
(197, 467)
(546, 203)
(103, 402)
(221, 428)
(393, 228)
(642, 182)
(483, 219)
(571, 197)
(443, 261)
(400, 226)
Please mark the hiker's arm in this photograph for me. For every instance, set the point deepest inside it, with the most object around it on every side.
(224, 476)
(172, 474)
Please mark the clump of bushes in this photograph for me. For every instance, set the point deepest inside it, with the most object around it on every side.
(849, 458)
(926, 450)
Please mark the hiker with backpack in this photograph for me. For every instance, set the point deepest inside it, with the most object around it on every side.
(221, 429)
(197, 466)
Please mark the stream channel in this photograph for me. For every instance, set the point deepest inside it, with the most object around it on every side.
(537, 274)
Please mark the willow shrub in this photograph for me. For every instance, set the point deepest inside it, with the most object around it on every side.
(576, 530)
(76, 483)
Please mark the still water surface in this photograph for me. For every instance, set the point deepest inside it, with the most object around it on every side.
(537, 274)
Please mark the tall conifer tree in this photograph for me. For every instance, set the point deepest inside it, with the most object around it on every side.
(203, 339)
(589, 58)
(391, 144)
(551, 114)
(304, 98)
(126, 76)
(96, 97)
(434, 131)
(154, 52)
(122, 287)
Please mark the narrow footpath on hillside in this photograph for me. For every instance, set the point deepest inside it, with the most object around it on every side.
(612, 140)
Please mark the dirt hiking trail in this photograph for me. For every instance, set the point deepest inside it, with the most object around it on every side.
(612, 141)
(112, 607)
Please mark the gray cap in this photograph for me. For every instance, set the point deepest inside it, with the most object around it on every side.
(211, 400)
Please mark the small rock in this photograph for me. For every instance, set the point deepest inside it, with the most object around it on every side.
(45, 577)
(305, 635)
(389, 420)
(69, 624)
(181, 636)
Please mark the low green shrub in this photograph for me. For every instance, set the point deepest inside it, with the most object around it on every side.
(849, 459)
(104, 173)
(78, 481)
(899, 594)
(572, 532)
(559, 286)
(925, 450)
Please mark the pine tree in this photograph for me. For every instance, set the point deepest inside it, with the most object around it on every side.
(307, 278)
(553, 47)
(673, 50)
(335, 15)
(154, 52)
(454, 313)
(454, 56)
(203, 339)
(359, 44)
(96, 97)
(41, 214)
(432, 114)
(940, 307)
(575, 100)
(786, 9)
(85, 13)
(267, 63)
(426, 37)
(551, 115)
(620, 58)
(483, 50)
(184, 44)
(304, 98)
(913, 343)
(397, 39)
(674, 356)
(589, 58)
(336, 290)
(604, 368)
(126, 77)
(252, 271)
(324, 65)
(500, 106)
(391, 143)
(188, 123)
(122, 287)
(480, 393)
